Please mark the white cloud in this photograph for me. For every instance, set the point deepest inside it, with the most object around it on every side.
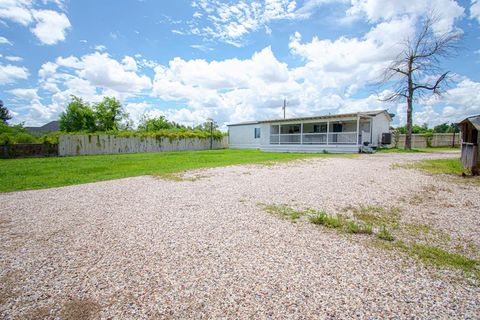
(129, 64)
(13, 58)
(231, 22)
(69, 62)
(475, 10)
(48, 26)
(102, 71)
(10, 74)
(4, 40)
(348, 62)
(25, 94)
(377, 10)
(51, 26)
(100, 47)
(17, 11)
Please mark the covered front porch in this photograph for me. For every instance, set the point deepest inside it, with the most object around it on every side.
(328, 132)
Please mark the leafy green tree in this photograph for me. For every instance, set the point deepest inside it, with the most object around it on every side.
(110, 115)
(78, 116)
(206, 126)
(154, 124)
(446, 128)
(416, 129)
(4, 113)
(158, 123)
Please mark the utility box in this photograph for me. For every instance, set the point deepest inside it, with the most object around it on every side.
(386, 138)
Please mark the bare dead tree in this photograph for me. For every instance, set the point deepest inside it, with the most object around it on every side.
(416, 71)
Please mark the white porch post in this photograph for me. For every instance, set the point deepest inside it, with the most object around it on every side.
(328, 130)
(279, 134)
(358, 128)
(301, 132)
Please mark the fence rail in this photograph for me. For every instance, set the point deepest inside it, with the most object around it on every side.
(28, 150)
(314, 138)
(435, 140)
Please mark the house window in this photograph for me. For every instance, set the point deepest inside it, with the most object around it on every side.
(257, 133)
(319, 128)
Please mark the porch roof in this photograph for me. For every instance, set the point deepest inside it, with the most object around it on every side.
(319, 117)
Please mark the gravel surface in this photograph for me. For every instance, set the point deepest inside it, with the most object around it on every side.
(145, 248)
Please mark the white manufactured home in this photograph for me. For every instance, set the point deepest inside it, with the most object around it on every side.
(340, 133)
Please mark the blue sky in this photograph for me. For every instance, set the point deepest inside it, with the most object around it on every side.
(229, 60)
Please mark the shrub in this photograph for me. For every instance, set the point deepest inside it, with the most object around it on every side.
(25, 138)
(6, 138)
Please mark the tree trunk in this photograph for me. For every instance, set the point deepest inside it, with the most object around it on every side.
(408, 136)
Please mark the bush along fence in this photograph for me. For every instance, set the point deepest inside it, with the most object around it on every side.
(92, 144)
(28, 150)
(427, 140)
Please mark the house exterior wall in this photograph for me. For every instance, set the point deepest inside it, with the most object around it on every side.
(380, 124)
(243, 136)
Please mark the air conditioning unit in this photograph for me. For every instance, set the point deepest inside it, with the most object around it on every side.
(386, 138)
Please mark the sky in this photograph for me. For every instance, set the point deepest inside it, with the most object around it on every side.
(231, 61)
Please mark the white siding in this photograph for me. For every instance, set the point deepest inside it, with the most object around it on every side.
(243, 136)
(381, 124)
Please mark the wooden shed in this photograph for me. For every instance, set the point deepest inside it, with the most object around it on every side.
(470, 128)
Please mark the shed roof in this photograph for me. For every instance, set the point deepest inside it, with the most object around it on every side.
(319, 117)
(474, 120)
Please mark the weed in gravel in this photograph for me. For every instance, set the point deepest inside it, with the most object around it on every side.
(80, 309)
(319, 218)
(440, 257)
(384, 234)
(352, 227)
(283, 211)
(375, 215)
(322, 218)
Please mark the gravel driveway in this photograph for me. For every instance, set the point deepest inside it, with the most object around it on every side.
(145, 248)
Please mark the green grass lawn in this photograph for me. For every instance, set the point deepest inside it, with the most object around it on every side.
(388, 150)
(452, 167)
(442, 166)
(39, 173)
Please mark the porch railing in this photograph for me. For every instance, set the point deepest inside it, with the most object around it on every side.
(315, 138)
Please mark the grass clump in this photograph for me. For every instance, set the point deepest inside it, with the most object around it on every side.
(353, 227)
(375, 215)
(384, 234)
(322, 218)
(283, 211)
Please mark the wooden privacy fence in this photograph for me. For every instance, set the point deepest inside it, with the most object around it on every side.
(74, 145)
(424, 141)
(28, 150)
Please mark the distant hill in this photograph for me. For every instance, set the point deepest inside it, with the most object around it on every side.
(51, 126)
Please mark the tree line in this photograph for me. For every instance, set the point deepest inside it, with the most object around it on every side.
(424, 129)
(106, 116)
(109, 115)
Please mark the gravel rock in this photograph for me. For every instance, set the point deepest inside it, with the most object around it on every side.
(143, 248)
